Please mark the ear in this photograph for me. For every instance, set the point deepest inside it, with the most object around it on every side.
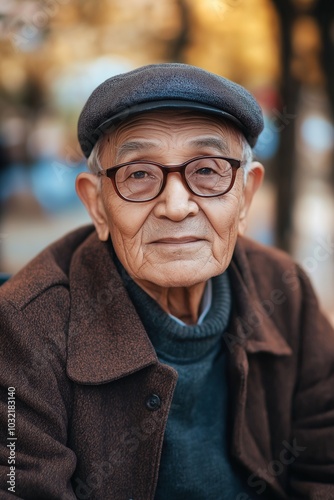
(89, 191)
(254, 181)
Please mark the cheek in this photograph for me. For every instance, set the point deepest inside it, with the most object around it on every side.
(224, 219)
(125, 222)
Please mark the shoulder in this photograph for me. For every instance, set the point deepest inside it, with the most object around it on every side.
(35, 303)
(270, 271)
(47, 271)
(264, 261)
(260, 253)
(272, 291)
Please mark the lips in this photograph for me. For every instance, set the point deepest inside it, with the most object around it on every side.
(178, 241)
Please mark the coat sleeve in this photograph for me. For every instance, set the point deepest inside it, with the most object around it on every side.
(312, 473)
(35, 399)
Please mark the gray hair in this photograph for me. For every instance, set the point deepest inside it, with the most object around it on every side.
(93, 161)
(247, 158)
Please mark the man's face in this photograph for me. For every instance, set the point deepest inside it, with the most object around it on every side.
(177, 239)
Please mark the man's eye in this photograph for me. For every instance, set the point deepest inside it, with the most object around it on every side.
(205, 171)
(140, 174)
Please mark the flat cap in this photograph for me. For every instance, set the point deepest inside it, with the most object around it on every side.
(166, 86)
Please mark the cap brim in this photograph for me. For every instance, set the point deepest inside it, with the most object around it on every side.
(143, 107)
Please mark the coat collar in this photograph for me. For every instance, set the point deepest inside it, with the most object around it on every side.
(253, 327)
(106, 338)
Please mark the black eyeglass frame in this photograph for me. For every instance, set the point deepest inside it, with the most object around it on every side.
(166, 169)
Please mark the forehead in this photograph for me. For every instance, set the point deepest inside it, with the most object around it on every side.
(173, 129)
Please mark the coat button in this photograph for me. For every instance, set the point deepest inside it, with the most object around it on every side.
(153, 402)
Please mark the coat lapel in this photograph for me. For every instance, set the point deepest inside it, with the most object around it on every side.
(253, 327)
(251, 331)
(106, 339)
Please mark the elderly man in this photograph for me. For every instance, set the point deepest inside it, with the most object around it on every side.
(162, 355)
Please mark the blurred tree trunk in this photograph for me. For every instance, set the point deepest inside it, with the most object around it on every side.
(285, 161)
(324, 14)
(175, 51)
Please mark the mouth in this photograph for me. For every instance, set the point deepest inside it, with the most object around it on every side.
(178, 241)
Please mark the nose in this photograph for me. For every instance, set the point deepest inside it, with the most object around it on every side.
(176, 202)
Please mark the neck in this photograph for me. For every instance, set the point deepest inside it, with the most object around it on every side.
(181, 302)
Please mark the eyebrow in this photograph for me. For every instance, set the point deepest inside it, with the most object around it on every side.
(211, 142)
(133, 146)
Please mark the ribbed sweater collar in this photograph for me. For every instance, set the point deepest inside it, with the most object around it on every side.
(171, 340)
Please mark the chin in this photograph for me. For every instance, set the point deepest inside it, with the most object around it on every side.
(179, 276)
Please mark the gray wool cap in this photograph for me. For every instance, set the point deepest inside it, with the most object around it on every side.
(166, 86)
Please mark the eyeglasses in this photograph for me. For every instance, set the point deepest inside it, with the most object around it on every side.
(141, 180)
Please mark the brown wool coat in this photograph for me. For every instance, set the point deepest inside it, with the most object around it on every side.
(83, 369)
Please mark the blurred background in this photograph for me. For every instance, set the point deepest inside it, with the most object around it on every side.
(53, 53)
